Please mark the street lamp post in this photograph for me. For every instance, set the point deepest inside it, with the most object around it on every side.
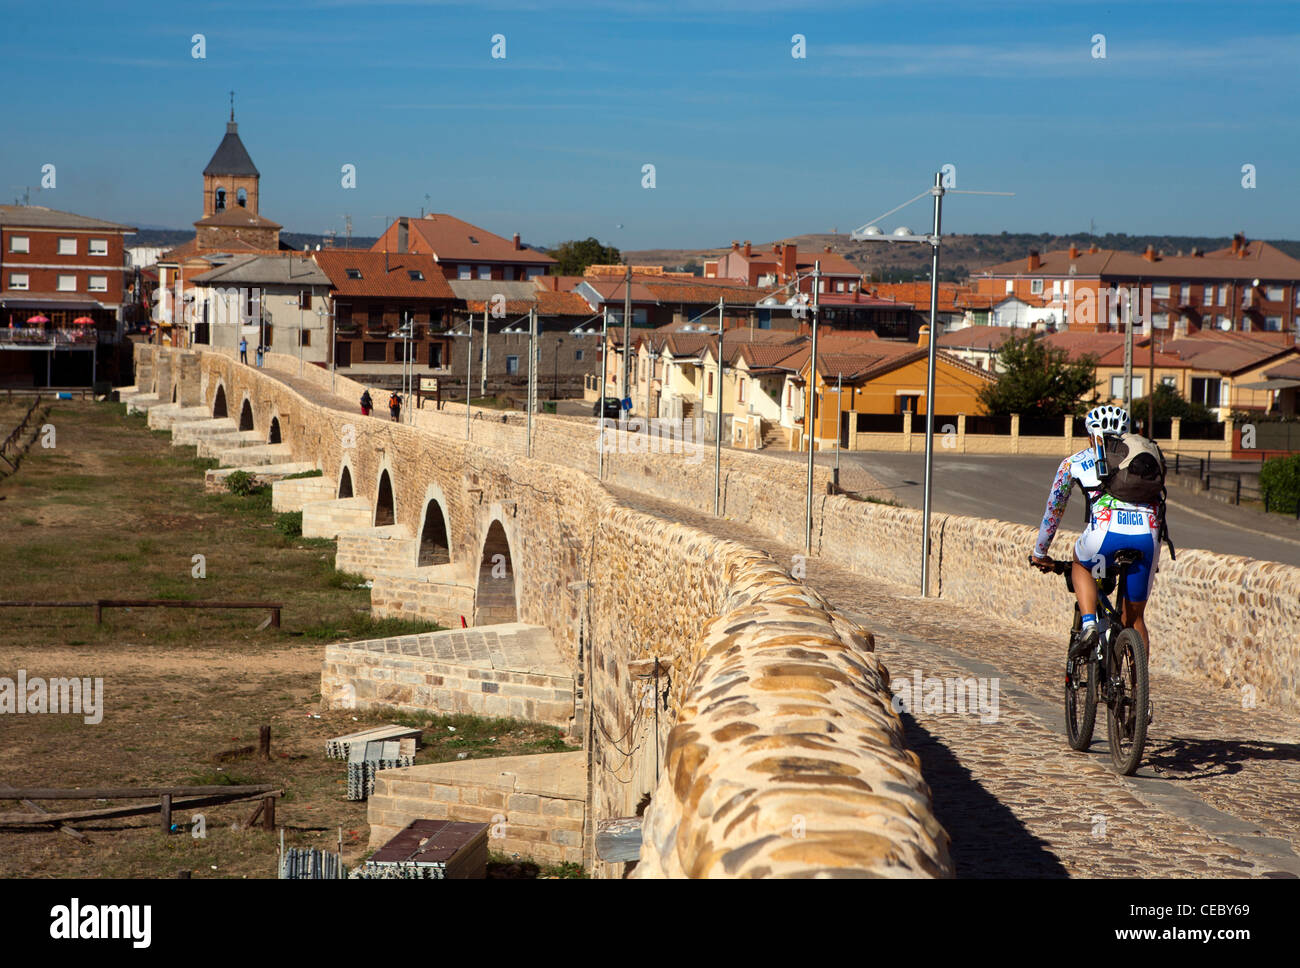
(533, 355)
(812, 409)
(871, 233)
(556, 369)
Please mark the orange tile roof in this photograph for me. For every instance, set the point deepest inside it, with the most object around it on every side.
(1261, 260)
(455, 240)
(378, 280)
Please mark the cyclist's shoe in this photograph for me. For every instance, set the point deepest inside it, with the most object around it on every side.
(1149, 709)
(1085, 642)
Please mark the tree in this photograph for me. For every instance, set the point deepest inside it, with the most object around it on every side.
(572, 257)
(1039, 380)
(1169, 404)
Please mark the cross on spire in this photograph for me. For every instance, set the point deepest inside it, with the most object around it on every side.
(232, 105)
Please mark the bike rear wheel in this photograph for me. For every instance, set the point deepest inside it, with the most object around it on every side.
(1080, 695)
(1126, 717)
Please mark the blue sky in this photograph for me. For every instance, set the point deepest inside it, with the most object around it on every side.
(747, 141)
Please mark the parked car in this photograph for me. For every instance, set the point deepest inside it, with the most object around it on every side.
(608, 407)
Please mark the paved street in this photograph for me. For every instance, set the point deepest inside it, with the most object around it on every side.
(1215, 797)
(1014, 488)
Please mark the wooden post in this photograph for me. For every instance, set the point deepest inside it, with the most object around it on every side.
(99, 613)
(264, 742)
(183, 875)
(268, 813)
(166, 813)
(275, 618)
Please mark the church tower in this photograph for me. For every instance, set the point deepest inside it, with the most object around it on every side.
(230, 199)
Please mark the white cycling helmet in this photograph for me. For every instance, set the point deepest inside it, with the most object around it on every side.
(1105, 420)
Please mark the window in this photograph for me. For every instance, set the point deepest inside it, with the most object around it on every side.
(415, 275)
(709, 391)
(1056, 287)
(1223, 295)
(1186, 294)
(839, 287)
(577, 355)
(67, 284)
(18, 280)
(304, 299)
(221, 200)
(1274, 294)
(485, 272)
(1205, 390)
(1160, 291)
(304, 337)
(1010, 286)
(353, 273)
(67, 246)
(512, 365)
(1117, 386)
(1168, 381)
(98, 284)
(343, 315)
(740, 391)
(98, 247)
(1160, 320)
(241, 198)
(465, 272)
(1036, 286)
(374, 352)
(20, 243)
(1208, 296)
(1273, 324)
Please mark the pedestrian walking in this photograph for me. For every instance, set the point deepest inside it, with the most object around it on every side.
(395, 406)
(259, 355)
(243, 350)
(367, 404)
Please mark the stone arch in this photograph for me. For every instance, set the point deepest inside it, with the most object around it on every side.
(273, 434)
(385, 507)
(495, 601)
(434, 546)
(219, 202)
(345, 482)
(246, 416)
(219, 403)
(241, 197)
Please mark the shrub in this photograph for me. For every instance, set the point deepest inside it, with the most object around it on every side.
(242, 483)
(299, 476)
(1279, 481)
(289, 524)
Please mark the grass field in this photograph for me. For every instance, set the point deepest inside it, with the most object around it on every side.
(114, 511)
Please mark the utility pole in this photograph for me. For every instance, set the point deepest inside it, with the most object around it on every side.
(532, 372)
(717, 431)
(482, 388)
(627, 331)
(812, 407)
(1128, 351)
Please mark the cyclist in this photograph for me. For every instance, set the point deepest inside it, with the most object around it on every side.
(1112, 524)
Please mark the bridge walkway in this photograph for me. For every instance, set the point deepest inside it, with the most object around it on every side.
(1217, 796)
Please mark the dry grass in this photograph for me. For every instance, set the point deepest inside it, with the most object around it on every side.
(114, 511)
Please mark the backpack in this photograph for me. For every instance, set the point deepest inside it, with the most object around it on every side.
(1136, 476)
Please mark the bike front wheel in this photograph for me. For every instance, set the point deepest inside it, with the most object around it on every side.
(1080, 696)
(1126, 718)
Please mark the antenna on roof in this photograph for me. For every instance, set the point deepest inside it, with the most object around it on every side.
(232, 105)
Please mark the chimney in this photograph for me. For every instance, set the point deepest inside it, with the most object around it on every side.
(403, 232)
(1197, 253)
(1034, 261)
(735, 245)
(1074, 252)
(748, 250)
(517, 246)
(923, 336)
(827, 249)
(789, 260)
(1092, 249)
(1238, 242)
(1150, 253)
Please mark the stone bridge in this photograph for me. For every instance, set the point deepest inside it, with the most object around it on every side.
(745, 712)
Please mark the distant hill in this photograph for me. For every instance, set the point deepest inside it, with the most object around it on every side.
(171, 237)
(961, 255)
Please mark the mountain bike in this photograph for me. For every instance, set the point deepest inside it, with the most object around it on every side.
(1118, 677)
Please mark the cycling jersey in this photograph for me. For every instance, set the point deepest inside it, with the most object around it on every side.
(1112, 525)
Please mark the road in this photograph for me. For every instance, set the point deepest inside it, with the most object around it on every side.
(1014, 488)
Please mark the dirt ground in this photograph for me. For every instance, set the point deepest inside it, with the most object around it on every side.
(112, 510)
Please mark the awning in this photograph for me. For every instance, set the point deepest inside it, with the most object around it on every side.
(49, 304)
(1269, 385)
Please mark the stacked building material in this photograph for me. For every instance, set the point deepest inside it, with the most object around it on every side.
(310, 864)
(340, 748)
(430, 850)
(367, 759)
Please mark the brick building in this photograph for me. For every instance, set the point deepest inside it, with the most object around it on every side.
(462, 250)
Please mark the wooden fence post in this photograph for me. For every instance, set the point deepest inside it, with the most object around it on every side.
(166, 813)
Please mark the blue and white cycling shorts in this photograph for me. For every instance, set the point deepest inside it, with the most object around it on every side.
(1114, 528)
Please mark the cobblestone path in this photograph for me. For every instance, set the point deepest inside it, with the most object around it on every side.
(1218, 794)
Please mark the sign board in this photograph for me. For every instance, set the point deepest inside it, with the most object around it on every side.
(429, 384)
(627, 403)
